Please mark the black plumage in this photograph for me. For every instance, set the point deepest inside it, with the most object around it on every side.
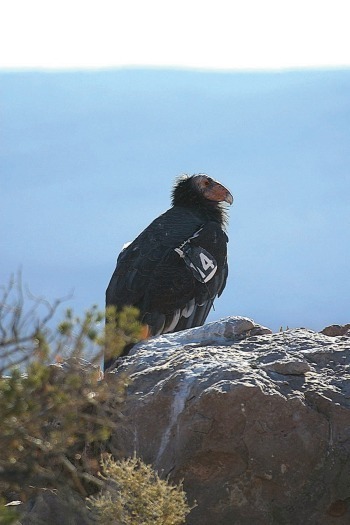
(175, 268)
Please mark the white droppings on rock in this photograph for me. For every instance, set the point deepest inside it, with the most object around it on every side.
(178, 404)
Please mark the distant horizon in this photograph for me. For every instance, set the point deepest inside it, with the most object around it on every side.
(180, 69)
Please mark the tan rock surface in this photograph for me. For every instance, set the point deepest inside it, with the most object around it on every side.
(257, 424)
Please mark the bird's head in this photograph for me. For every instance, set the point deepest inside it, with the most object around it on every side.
(199, 189)
(211, 189)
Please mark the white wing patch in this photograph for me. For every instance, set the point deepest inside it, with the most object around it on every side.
(174, 321)
(188, 310)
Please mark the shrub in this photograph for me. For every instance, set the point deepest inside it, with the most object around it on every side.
(135, 494)
(56, 419)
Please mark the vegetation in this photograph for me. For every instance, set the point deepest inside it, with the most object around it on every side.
(56, 419)
(135, 494)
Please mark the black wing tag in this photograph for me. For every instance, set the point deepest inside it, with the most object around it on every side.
(201, 263)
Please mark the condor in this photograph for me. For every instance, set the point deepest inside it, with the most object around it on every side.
(177, 266)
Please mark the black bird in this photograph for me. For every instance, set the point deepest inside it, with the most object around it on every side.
(175, 268)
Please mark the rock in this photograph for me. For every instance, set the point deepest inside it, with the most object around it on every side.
(50, 509)
(256, 424)
(336, 330)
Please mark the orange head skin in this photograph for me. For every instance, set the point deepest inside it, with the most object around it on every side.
(212, 190)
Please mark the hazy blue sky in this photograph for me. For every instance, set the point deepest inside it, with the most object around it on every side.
(87, 159)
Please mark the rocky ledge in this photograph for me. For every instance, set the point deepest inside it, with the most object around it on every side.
(256, 424)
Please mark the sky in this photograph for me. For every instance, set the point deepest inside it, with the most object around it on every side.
(249, 34)
(80, 150)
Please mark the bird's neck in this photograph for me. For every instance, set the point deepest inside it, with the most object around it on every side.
(208, 211)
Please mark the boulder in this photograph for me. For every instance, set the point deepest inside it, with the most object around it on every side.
(336, 329)
(256, 424)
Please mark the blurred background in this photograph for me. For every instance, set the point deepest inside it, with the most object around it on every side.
(103, 104)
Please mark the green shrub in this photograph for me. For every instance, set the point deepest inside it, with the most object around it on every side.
(56, 419)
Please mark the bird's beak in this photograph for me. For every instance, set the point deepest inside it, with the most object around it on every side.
(221, 194)
(229, 198)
